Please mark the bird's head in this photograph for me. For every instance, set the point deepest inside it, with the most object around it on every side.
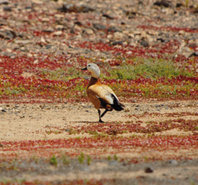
(93, 69)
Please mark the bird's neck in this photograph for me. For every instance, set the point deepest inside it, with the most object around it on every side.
(93, 81)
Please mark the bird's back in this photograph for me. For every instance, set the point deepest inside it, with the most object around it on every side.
(102, 96)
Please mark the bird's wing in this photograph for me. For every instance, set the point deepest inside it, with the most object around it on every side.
(101, 92)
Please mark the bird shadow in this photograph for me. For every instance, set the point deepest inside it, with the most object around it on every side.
(91, 122)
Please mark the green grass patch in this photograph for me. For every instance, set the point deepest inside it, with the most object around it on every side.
(53, 161)
(148, 68)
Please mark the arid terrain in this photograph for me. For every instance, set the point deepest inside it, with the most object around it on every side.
(148, 54)
(54, 128)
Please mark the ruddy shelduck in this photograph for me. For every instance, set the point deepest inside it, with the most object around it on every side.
(102, 96)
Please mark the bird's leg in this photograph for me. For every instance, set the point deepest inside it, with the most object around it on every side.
(100, 116)
(103, 113)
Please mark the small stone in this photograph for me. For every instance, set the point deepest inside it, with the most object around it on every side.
(178, 5)
(131, 14)
(174, 162)
(7, 9)
(68, 8)
(48, 46)
(108, 16)
(88, 31)
(148, 170)
(29, 55)
(23, 42)
(4, 2)
(57, 33)
(113, 29)
(7, 34)
(99, 26)
(49, 30)
(119, 36)
(27, 74)
(163, 3)
(144, 43)
(45, 19)
(117, 43)
(129, 52)
(36, 61)
(161, 39)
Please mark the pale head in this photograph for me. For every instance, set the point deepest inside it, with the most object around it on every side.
(94, 69)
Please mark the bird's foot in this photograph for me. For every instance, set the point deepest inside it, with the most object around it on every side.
(101, 121)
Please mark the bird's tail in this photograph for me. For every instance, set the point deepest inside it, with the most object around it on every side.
(117, 105)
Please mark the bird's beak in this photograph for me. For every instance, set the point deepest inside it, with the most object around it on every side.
(85, 68)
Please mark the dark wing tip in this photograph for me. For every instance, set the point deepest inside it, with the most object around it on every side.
(116, 104)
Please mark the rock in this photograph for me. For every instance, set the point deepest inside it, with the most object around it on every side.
(163, 3)
(23, 42)
(48, 46)
(57, 33)
(119, 36)
(9, 54)
(144, 43)
(99, 26)
(36, 61)
(69, 8)
(107, 16)
(7, 34)
(161, 39)
(27, 74)
(179, 5)
(148, 170)
(49, 30)
(88, 31)
(173, 162)
(78, 23)
(117, 43)
(7, 9)
(131, 14)
(113, 29)
(4, 2)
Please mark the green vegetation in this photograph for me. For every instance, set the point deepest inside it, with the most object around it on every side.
(187, 3)
(142, 67)
(88, 160)
(53, 161)
(148, 68)
(81, 158)
(115, 157)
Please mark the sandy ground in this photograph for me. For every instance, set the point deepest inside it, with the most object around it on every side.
(30, 121)
(22, 122)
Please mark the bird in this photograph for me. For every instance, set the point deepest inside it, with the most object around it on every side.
(101, 95)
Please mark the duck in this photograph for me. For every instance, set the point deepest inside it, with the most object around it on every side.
(101, 95)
